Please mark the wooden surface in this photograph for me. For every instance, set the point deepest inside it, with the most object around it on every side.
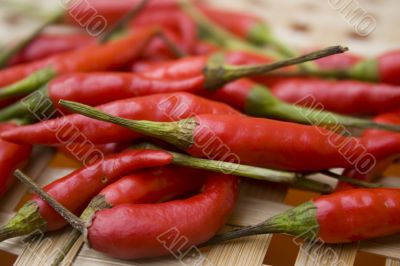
(302, 23)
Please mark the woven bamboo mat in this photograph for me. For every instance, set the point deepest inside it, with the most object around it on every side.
(302, 23)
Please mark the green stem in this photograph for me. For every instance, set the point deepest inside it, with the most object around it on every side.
(8, 54)
(353, 181)
(253, 172)
(27, 85)
(262, 103)
(122, 23)
(217, 75)
(73, 220)
(299, 221)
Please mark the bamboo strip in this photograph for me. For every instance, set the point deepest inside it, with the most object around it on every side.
(312, 253)
(390, 262)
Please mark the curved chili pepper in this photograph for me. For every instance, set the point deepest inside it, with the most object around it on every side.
(253, 141)
(12, 156)
(355, 97)
(47, 45)
(132, 231)
(149, 186)
(95, 57)
(76, 190)
(341, 217)
(160, 107)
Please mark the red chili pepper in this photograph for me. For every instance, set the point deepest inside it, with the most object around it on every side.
(355, 97)
(76, 190)
(341, 217)
(47, 45)
(12, 156)
(95, 57)
(160, 107)
(175, 20)
(79, 12)
(389, 67)
(249, 140)
(132, 231)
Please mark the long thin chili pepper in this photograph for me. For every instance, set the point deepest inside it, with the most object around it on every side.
(341, 217)
(246, 26)
(356, 97)
(150, 186)
(12, 156)
(119, 231)
(95, 57)
(47, 45)
(256, 99)
(160, 107)
(254, 141)
(385, 68)
(76, 190)
(206, 72)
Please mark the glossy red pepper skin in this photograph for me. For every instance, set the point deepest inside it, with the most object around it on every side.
(75, 190)
(174, 20)
(160, 107)
(154, 185)
(358, 214)
(95, 57)
(112, 11)
(47, 45)
(269, 143)
(389, 67)
(99, 88)
(356, 97)
(12, 156)
(133, 231)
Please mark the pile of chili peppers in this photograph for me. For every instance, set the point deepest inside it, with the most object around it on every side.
(176, 103)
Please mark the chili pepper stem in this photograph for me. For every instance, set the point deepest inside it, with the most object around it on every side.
(73, 220)
(28, 84)
(350, 180)
(35, 104)
(121, 24)
(23, 222)
(217, 75)
(253, 172)
(299, 221)
(96, 204)
(262, 103)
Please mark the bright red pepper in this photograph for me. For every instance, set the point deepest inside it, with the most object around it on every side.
(246, 140)
(12, 156)
(47, 45)
(95, 57)
(132, 231)
(356, 97)
(341, 217)
(175, 20)
(160, 107)
(389, 67)
(78, 188)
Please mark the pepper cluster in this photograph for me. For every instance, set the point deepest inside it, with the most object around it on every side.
(204, 81)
